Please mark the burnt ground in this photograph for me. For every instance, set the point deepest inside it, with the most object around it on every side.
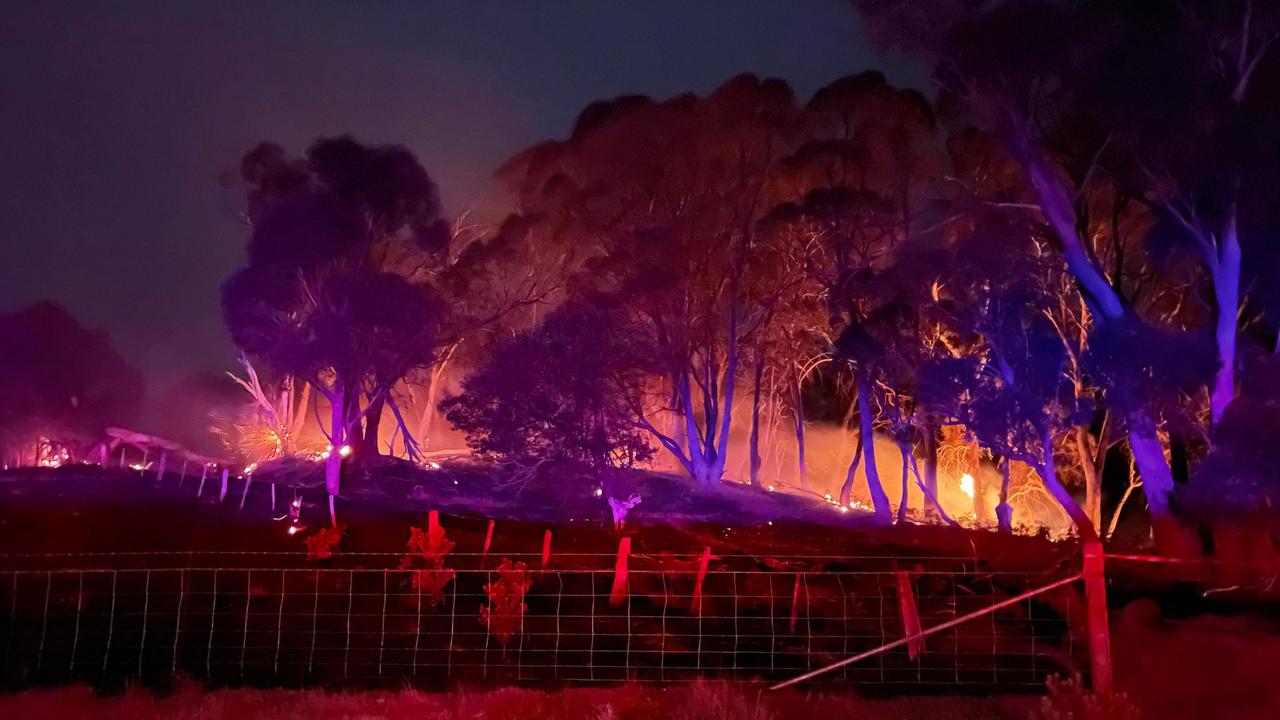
(96, 510)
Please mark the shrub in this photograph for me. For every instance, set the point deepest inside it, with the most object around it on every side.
(321, 545)
(1070, 699)
(428, 549)
(504, 614)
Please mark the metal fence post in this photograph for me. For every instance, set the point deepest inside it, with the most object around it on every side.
(1095, 592)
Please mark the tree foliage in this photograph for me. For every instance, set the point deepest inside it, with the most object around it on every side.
(60, 381)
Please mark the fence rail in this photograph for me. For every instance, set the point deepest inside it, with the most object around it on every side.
(274, 618)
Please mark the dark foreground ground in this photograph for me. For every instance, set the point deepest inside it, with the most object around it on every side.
(711, 701)
(1201, 668)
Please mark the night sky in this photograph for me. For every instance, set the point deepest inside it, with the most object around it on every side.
(118, 119)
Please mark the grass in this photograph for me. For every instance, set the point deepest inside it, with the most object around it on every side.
(696, 701)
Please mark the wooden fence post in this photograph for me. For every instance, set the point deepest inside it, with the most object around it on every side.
(703, 563)
(183, 476)
(204, 475)
(488, 540)
(433, 522)
(222, 491)
(1095, 595)
(164, 461)
(620, 573)
(795, 603)
(248, 480)
(546, 548)
(910, 614)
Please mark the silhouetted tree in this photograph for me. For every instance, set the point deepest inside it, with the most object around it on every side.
(570, 389)
(336, 291)
(60, 382)
(663, 197)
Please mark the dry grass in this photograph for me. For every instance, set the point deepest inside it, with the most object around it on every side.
(697, 701)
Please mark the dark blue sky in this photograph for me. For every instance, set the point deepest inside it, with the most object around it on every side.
(117, 119)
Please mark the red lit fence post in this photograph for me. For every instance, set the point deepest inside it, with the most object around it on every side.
(1095, 594)
(433, 522)
(248, 480)
(795, 603)
(703, 564)
(910, 614)
(620, 573)
(546, 548)
(488, 539)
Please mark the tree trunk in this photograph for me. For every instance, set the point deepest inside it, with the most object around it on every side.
(721, 450)
(337, 437)
(879, 501)
(1105, 303)
(1004, 511)
(298, 419)
(1157, 483)
(433, 391)
(931, 502)
(1049, 474)
(902, 501)
(1225, 270)
(699, 464)
(797, 412)
(846, 490)
(971, 456)
(372, 422)
(1092, 478)
(1148, 454)
(754, 454)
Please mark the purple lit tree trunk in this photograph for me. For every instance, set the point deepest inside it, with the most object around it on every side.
(879, 500)
(704, 456)
(1105, 304)
(337, 436)
(930, 496)
(902, 501)
(1049, 474)
(1153, 467)
(1224, 267)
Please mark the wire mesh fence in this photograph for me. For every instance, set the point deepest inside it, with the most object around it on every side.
(275, 618)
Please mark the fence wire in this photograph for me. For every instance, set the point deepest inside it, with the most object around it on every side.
(266, 619)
